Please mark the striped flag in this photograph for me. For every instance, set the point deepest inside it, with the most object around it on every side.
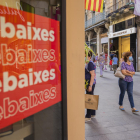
(94, 5)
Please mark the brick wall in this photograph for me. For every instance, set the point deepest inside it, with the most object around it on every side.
(108, 4)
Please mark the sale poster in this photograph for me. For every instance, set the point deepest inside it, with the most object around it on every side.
(30, 73)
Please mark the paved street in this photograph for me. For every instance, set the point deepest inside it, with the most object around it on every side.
(110, 123)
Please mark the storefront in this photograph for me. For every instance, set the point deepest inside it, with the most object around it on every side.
(104, 42)
(123, 41)
(36, 70)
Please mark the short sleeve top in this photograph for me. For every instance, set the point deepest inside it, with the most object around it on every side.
(89, 67)
(101, 61)
(125, 66)
(115, 61)
(96, 58)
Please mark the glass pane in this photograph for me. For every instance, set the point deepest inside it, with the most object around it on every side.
(30, 70)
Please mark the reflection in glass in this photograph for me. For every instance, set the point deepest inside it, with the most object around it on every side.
(30, 72)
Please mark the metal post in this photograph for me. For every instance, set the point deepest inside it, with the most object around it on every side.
(108, 50)
(136, 56)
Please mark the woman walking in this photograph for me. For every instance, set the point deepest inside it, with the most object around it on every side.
(127, 83)
(101, 64)
(90, 78)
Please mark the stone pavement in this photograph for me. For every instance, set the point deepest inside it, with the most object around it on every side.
(110, 123)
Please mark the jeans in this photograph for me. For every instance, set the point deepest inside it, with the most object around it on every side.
(123, 86)
(89, 111)
(101, 70)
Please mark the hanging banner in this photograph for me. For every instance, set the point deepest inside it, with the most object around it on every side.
(30, 77)
(137, 8)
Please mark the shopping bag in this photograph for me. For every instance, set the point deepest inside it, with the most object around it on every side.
(91, 101)
(119, 73)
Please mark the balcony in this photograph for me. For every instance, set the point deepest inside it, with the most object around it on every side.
(119, 8)
(98, 18)
(115, 7)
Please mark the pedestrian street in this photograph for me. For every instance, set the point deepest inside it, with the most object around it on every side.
(110, 123)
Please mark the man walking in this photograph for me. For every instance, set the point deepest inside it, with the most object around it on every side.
(115, 63)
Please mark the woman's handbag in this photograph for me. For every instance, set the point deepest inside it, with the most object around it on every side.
(119, 73)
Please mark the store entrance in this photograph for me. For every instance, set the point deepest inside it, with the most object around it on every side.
(114, 46)
(124, 45)
(133, 48)
(120, 45)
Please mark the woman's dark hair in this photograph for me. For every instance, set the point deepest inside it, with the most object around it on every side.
(126, 55)
(93, 59)
(115, 55)
(89, 54)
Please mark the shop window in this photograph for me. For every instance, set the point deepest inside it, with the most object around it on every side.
(120, 26)
(124, 25)
(30, 70)
(130, 22)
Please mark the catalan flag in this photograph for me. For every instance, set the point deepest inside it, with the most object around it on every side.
(94, 5)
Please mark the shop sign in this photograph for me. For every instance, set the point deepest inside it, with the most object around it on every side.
(122, 33)
(30, 77)
(104, 40)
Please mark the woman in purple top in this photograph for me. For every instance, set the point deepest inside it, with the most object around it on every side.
(127, 83)
(101, 64)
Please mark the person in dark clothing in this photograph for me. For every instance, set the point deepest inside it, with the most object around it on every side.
(90, 76)
(112, 55)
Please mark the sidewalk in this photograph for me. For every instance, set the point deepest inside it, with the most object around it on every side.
(110, 123)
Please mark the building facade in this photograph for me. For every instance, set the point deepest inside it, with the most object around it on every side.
(122, 29)
(95, 31)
